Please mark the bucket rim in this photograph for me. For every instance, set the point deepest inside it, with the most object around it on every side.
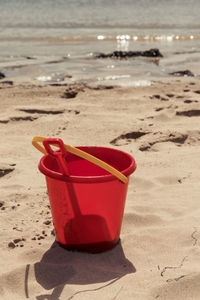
(87, 179)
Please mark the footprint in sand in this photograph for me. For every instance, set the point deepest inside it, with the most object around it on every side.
(126, 138)
(153, 138)
(159, 137)
(70, 94)
(36, 111)
(74, 88)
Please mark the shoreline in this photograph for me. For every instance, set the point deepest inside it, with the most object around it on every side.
(86, 62)
(45, 78)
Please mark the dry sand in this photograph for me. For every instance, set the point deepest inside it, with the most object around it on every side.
(158, 256)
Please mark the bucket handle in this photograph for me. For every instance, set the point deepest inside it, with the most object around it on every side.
(39, 139)
(60, 154)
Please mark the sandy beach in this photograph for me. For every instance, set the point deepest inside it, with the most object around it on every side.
(158, 254)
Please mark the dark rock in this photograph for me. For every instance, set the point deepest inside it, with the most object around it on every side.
(17, 240)
(182, 73)
(5, 171)
(129, 54)
(11, 245)
(159, 109)
(30, 57)
(2, 75)
(47, 222)
(188, 101)
(156, 96)
(58, 84)
(70, 94)
(8, 82)
(152, 53)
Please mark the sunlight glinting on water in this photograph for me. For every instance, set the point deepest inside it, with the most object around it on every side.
(168, 38)
(101, 37)
(123, 41)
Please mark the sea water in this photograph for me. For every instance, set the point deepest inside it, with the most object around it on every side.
(47, 40)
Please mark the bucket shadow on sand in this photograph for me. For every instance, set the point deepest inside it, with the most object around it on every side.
(59, 267)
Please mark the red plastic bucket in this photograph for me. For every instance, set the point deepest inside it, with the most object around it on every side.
(87, 206)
